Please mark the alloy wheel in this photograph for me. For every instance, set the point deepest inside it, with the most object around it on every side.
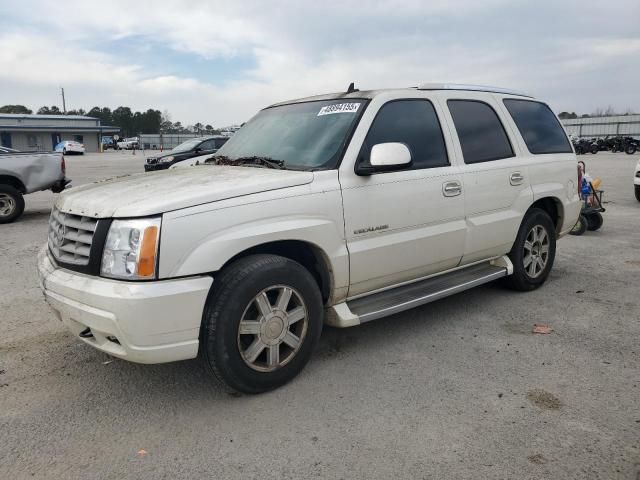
(7, 205)
(536, 251)
(272, 328)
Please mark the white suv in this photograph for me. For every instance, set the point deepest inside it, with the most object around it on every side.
(336, 209)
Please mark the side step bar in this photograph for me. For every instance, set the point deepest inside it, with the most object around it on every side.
(405, 297)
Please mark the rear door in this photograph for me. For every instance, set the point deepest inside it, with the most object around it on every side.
(495, 174)
(405, 224)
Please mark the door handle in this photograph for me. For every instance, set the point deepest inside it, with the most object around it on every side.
(516, 178)
(451, 189)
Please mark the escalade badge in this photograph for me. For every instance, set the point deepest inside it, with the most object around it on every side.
(370, 229)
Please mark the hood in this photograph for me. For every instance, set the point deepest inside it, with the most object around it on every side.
(158, 192)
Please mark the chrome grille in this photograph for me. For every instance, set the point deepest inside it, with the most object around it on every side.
(70, 237)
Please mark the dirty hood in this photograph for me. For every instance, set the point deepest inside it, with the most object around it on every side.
(157, 192)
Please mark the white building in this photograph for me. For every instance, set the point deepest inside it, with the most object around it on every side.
(44, 132)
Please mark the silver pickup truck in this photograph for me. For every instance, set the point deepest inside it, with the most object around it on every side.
(25, 172)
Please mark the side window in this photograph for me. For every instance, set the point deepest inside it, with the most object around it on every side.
(538, 126)
(220, 142)
(208, 145)
(480, 131)
(414, 123)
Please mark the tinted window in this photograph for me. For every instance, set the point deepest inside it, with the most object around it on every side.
(414, 123)
(480, 131)
(220, 141)
(538, 126)
(208, 145)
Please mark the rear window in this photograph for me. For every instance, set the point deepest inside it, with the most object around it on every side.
(538, 126)
(482, 136)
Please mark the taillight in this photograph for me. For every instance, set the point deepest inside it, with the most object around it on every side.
(63, 166)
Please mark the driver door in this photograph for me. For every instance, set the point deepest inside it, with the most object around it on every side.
(406, 224)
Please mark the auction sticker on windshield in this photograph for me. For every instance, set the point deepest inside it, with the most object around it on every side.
(339, 108)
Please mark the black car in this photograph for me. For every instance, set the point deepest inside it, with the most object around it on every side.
(189, 149)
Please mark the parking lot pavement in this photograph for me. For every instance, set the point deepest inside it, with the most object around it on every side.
(457, 389)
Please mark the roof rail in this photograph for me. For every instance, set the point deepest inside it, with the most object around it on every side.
(475, 88)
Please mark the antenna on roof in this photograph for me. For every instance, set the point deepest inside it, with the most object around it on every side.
(352, 88)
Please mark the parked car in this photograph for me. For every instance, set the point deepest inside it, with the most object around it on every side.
(23, 173)
(128, 143)
(188, 149)
(338, 209)
(636, 181)
(70, 146)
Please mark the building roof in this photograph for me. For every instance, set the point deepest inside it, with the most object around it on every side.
(35, 116)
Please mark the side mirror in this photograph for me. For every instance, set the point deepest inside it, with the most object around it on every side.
(386, 157)
(198, 150)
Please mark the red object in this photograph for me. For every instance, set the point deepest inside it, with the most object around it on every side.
(541, 329)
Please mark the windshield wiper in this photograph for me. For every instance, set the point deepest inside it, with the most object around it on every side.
(266, 162)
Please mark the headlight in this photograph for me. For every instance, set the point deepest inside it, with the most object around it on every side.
(166, 159)
(131, 249)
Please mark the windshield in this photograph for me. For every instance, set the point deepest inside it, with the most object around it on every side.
(188, 145)
(305, 136)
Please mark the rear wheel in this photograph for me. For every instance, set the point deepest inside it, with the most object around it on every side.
(581, 226)
(11, 204)
(594, 221)
(594, 149)
(261, 323)
(533, 252)
(630, 149)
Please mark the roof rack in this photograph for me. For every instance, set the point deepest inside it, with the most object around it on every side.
(475, 88)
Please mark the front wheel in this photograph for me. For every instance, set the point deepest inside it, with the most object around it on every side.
(630, 149)
(533, 252)
(11, 204)
(261, 323)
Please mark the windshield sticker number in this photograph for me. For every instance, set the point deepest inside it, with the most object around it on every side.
(339, 108)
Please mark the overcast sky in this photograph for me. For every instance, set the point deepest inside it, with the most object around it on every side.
(218, 62)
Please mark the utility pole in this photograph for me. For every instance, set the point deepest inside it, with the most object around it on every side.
(64, 105)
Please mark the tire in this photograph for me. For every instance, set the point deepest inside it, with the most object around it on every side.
(630, 149)
(579, 150)
(64, 151)
(11, 204)
(581, 226)
(535, 243)
(245, 293)
(594, 221)
(594, 149)
(637, 189)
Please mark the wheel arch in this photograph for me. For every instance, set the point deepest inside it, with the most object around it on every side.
(553, 207)
(14, 182)
(309, 255)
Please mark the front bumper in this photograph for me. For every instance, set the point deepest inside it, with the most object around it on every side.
(150, 167)
(143, 322)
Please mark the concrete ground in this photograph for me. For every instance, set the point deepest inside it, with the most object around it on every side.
(457, 389)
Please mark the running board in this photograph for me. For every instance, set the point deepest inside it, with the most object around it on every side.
(399, 299)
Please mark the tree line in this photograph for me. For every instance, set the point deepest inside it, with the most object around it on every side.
(130, 123)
